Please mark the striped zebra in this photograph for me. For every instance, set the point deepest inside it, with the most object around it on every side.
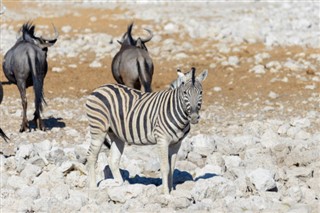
(121, 114)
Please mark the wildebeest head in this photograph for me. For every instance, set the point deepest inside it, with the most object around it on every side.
(28, 35)
(128, 40)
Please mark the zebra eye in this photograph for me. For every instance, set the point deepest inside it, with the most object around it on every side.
(200, 92)
(185, 92)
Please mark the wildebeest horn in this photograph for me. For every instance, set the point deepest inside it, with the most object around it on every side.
(51, 40)
(148, 38)
(131, 40)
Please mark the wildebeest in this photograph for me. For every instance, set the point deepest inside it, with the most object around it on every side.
(1, 97)
(132, 65)
(25, 65)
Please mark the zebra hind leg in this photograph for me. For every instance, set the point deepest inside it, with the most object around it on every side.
(116, 150)
(96, 142)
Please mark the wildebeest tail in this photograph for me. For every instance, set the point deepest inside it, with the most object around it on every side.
(144, 74)
(4, 136)
(37, 68)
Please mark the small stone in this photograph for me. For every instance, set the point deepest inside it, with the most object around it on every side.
(258, 69)
(262, 179)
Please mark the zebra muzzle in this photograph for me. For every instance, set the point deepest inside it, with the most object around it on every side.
(194, 118)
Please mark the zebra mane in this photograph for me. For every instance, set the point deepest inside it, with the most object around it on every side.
(193, 75)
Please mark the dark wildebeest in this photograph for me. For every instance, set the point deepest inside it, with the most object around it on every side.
(1, 97)
(25, 65)
(132, 65)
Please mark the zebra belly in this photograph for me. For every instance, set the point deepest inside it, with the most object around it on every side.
(148, 139)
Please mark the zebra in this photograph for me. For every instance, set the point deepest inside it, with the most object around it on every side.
(118, 114)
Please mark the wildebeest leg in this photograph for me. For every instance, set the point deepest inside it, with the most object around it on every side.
(132, 83)
(136, 85)
(22, 90)
(38, 121)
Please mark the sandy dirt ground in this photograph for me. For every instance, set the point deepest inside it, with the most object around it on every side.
(245, 86)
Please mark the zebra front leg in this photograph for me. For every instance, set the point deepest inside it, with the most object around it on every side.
(164, 165)
(93, 152)
(116, 150)
(173, 152)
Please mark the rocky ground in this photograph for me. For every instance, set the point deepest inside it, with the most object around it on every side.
(256, 148)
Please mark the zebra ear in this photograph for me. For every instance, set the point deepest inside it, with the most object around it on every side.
(180, 74)
(181, 77)
(202, 76)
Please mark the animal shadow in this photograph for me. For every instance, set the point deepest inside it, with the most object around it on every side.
(49, 123)
(179, 177)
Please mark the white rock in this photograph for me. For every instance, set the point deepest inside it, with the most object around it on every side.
(25, 151)
(300, 122)
(72, 132)
(203, 144)
(30, 171)
(75, 179)
(60, 192)
(95, 64)
(29, 191)
(299, 208)
(233, 60)
(274, 66)
(217, 89)
(125, 192)
(295, 193)
(262, 179)
(180, 56)
(260, 57)
(269, 138)
(57, 69)
(208, 171)
(302, 135)
(283, 129)
(41, 204)
(196, 158)
(43, 146)
(170, 28)
(24, 204)
(273, 95)
(292, 131)
(258, 69)
(16, 182)
(232, 161)
(214, 188)
(66, 29)
(216, 159)
(3, 179)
